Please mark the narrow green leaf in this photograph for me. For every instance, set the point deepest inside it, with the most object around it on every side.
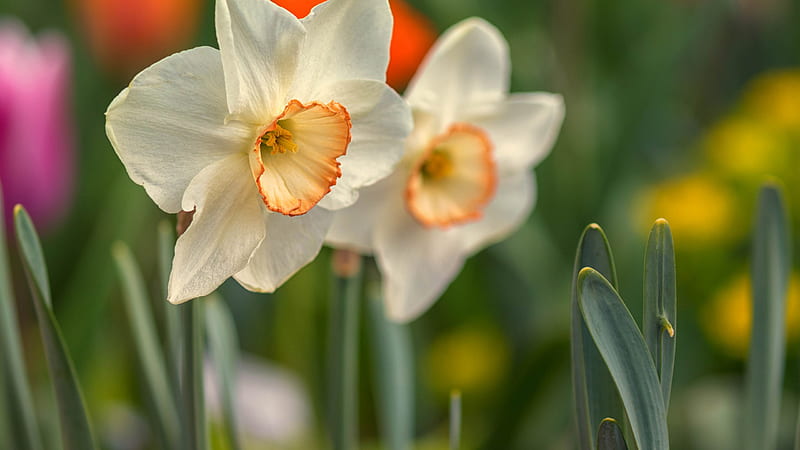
(609, 436)
(455, 420)
(660, 303)
(20, 415)
(76, 432)
(394, 371)
(770, 274)
(224, 348)
(343, 363)
(621, 344)
(148, 350)
(193, 411)
(594, 392)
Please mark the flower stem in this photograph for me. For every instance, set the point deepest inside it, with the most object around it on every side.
(192, 404)
(394, 368)
(343, 363)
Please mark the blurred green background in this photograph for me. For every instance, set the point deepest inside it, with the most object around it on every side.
(675, 109)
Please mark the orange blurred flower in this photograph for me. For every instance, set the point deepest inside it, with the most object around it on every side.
(412, 37)
(127, 36)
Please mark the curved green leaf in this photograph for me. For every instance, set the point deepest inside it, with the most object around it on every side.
(770, 271)
(660, 303)
(76, 432)
(621, 344)
(594, 392)
(20, 415)
(147, 344)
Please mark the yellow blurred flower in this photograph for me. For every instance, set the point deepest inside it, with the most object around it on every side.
(727, 318)
(471, 359)
(743, 146)
(775, 98)
(699, 208)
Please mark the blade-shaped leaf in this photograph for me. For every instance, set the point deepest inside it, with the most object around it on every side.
(609, 436)
(770, 271)
(76, 431)
(20, 416)
(594, 392)
(192, 404)
(146, 341)
(621, 344)
(660, 303)
(224, 348)
(455, 420)
(394, 371)
(172, 313)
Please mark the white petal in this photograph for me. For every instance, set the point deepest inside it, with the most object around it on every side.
(260, 44)
(347, 40)
(227, 227)
(523, 128)
(353, 227)
(508, 210)
(170, 123)
(468, 65)
(291, 243)
(417, 264)
(381, 122)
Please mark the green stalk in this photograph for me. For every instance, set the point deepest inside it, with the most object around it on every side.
(166, 250)
(343, 365)
(192, 401)
(455, 420)
(20, 416)
(394, 369)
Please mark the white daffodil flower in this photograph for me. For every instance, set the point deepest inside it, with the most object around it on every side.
(465, 180)
(262, 138)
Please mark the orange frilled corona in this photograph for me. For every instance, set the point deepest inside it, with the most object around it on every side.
(126, 36)
(412, 36)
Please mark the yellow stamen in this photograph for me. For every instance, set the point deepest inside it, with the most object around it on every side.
(437, 165)
(278, 140)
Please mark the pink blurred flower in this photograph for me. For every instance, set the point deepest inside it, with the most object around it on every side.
(36, 142)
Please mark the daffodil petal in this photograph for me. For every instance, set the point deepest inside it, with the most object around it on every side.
(468, 65)
(291, 243)
(354, 226)
(347, 40)
(381, 122)
(417, 263)
(260, 45)
(170, 123)
(508, 210)
(226, 228)
(523, 128)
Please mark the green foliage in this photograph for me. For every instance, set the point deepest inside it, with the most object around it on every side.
(770, 270)
(620, 342)
(76, 432)
(594, 392)
(609, 436)
(224, 351)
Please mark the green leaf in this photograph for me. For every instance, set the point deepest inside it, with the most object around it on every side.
(394, 371)
(76, 432)
(609, 436)
(594, 392)
(660, 303)
(148, 350)
(621, 344)
(770, 271)
(224, 346)
(343, 363)
(20, 415)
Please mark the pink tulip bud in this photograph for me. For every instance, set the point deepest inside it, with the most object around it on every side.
(36, 140)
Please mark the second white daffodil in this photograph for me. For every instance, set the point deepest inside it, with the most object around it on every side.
(263, 137)
(465, 180)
